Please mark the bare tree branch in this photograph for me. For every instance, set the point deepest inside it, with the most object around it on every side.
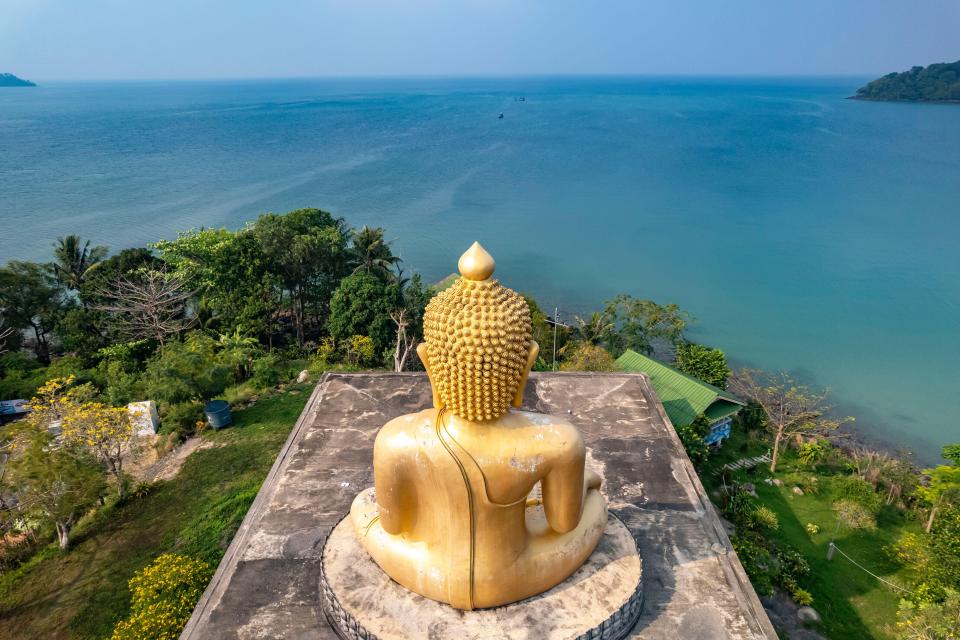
(406, 344)
(151, 305)
(793, 410)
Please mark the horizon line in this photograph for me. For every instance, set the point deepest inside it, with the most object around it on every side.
(455, 76)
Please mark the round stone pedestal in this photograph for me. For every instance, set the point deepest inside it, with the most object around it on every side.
(600, 601)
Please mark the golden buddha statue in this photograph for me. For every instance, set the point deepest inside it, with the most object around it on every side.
(454, 513)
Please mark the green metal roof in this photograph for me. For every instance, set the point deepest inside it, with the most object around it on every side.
(683, 397)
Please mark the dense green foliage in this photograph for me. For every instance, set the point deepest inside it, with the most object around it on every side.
(935, 83)
(361, 305)
(703, 363)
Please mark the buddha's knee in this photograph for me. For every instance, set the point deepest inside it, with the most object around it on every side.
(364, 512)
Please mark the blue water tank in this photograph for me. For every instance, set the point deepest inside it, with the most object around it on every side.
(218, 413)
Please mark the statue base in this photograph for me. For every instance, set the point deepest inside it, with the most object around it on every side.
(600, 601)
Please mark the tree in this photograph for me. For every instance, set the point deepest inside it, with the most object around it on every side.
(943, 486)
(596, 330)
(238, 351)
(408, 318)
(372, 254)
(932, 621)
(703, 363)
(638, 324)
(53, 483)
(307, 251)
(543, 331)
(150, 305)
(128, 263)
(30, 299)
(235, 289)
(362, 305)
(73, 259)
(5, 334)
(583, 356)
(105, 432)
(792, 410)
(933, 558)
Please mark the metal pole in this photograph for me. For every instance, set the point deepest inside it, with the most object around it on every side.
(556, 320)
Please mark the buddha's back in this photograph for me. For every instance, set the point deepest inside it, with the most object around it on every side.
(449, 517)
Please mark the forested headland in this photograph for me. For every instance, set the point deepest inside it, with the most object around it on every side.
(10, 80)
(935, 83)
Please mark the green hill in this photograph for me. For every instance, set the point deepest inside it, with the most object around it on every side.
(936, 83)
(10, 80)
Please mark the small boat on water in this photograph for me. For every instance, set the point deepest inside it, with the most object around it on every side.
(500, 117)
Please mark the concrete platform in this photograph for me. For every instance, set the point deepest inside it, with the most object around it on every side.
(602, 600)
(267, 585)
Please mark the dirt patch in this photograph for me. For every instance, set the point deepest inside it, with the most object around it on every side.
(167, 467)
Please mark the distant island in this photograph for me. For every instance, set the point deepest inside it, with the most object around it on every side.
(10, 80)
(936, 83)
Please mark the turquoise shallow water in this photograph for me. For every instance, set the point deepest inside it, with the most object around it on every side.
(805, 231)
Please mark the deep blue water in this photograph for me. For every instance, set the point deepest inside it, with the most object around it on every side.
(805, 232)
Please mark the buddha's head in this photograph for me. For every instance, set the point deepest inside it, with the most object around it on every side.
(477, 346)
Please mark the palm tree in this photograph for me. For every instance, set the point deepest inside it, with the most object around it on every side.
(372, 253)
(239, 350)
(594, 329)
(73, 259)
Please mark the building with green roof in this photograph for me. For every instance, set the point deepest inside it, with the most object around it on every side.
(685, 398)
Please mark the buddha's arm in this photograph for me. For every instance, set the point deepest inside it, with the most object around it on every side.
(564, 488)
(390, 488)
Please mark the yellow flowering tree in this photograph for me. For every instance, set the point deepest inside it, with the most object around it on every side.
(163, 597)
(103, 431)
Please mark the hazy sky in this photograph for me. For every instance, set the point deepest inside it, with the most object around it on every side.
(139, 39)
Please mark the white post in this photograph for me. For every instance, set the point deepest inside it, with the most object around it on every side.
(556, 319)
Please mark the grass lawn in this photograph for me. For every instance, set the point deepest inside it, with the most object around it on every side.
(83, 593)
(852, 604)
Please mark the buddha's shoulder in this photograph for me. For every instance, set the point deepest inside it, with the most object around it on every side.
(408, 425)
(549, 424)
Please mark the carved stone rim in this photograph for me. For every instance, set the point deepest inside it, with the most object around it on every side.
(616, 627)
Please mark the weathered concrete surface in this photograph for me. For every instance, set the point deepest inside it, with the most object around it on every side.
(267, 585)
(601, 592)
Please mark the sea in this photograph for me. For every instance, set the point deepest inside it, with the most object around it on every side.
(803, 231)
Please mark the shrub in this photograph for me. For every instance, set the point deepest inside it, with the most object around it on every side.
(267, 372)
(691, 436)
(764, 518)
(932, 621)
(802, 597)
(812, 529)
(703, 363)
(360, 351)
(587, 357)
(852, 515)
(181, 417)
(853, 489)
(808, 453)
(163, 597)
(188, 370)
(756, 561)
